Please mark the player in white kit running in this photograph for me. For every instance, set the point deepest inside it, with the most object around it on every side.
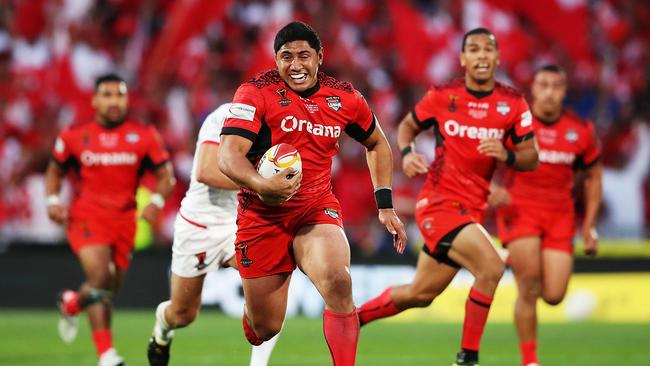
(204, 236)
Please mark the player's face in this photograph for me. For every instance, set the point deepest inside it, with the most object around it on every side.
(298, 64)
(480, 57)
(549, 90)
(111, 101)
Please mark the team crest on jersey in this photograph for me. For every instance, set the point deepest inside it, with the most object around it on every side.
(108, 139)
(571, 135)
(334, 102)
(132, 137)
(243, 248)
(452, 103)
(503, 108)
(332, 213)
(284, 101)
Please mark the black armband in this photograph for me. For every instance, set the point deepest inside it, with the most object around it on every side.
(407, 150)
(384, 197)
(510, 160)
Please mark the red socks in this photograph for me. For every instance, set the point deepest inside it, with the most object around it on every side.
(103, 339)
(70, 303)
(250, 335)
(342, 335)
(380, 307)
(528, 352)
(476, 313)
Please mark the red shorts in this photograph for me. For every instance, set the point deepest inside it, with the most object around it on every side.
(555, 228)
(117, 231)
(264, 239)
(439, 219)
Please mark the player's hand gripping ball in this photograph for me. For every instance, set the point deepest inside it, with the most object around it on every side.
(278, 158)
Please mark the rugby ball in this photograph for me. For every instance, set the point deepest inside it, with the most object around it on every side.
(278, 158)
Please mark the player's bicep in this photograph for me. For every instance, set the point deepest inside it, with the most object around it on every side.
(164, 171)
(233, 146)
(207, 169)
(411, 122)
(375, 137)
(55, 169)
(595, 170)
(156, 155)
(207, 158)
(529, 144)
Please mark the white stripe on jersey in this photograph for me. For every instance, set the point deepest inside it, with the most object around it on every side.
(203, 204)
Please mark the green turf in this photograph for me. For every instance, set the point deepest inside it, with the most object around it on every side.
(29, 338)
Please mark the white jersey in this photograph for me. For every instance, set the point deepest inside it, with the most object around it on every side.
(202, 204)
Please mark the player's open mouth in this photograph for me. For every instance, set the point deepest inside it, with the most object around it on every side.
(483, 67)
(298, 77)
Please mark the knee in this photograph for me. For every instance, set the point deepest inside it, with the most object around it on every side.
(102, 282)
(491, 272)
(267, 330)
(529, 286)
(553, 298)
(336, 289)
(339, 283)
(182, 316)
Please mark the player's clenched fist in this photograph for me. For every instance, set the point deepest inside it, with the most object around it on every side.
(58, 213)
(280, 187)
(493, 148)
(414, 164)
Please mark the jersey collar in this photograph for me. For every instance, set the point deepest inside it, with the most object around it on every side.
(549, 122)
(309, 92)
(479, 94)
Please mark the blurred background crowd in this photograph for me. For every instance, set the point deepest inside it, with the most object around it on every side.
(183, 58)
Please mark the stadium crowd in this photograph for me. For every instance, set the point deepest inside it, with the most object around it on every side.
(182, 59)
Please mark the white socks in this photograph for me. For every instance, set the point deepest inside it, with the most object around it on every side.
(161, 331)
(261, 354)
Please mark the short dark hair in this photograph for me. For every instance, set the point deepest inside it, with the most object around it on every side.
(108, 78)
(478, 31)
(297, 31)
(551, 68)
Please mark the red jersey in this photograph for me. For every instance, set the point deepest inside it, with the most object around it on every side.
(564, 145)
(461, 119)
(108, 163)
(268, 112)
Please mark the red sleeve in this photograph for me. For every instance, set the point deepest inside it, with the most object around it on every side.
(156, 152)
(424, 112)
(591, 153)
(244, 117)
(521, 128)
(61, 153)
(363, 121)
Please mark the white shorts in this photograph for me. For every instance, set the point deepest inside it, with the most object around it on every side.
(197, 250)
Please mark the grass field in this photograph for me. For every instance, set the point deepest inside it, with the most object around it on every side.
(29, 338)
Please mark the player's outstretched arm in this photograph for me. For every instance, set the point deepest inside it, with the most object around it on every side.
(53, 178)
(165, 182)
(380, 163)
(413, 164)
(207, 169)
(593, 196)
(234, 164)
(524, 157)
